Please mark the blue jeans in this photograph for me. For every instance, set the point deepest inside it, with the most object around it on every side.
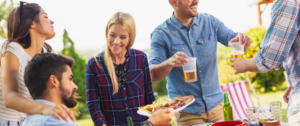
(4, 122)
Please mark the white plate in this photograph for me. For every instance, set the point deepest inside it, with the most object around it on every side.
(144, 113)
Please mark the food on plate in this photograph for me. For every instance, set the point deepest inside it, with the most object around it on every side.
(165, 102)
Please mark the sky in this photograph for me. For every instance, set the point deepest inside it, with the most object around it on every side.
(85, 20)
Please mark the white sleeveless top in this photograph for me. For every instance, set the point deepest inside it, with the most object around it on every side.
(24, 58)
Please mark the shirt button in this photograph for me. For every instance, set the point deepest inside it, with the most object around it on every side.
(192, 45)
(124, 88)
(203, 96)
(202, 84)
(199, 71)
(202, 41)
(126, 107)
(125, 98)
(182, 48)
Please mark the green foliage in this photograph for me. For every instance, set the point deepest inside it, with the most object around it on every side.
(264, 82)
(79, 67)
(4, 11)
(160, 87)
(84, 112)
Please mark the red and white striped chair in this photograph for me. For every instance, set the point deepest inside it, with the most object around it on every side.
(239, 97)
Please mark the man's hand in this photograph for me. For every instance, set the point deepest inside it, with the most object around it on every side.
(104, 125)
(286, 95)
(239, 64)
(162, 117)
(178, 60)
(243, 39)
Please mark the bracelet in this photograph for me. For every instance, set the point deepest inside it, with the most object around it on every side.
(147, 123)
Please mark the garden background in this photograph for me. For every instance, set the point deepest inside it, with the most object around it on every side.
(77, 25)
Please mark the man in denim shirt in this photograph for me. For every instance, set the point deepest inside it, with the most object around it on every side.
(189, 34)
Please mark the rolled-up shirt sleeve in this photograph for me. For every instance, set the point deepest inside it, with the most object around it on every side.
(280, 36)
(224, 34)
(158, 49)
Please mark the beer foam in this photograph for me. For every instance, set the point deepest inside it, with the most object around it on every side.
(189, 71)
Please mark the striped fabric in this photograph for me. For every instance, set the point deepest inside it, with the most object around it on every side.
(24, 58)
(239, 98)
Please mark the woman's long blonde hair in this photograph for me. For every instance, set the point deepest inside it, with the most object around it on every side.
(127, 21)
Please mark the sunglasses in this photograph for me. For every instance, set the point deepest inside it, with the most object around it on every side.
(21, 9)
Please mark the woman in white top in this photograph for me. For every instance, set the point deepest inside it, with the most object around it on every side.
(28, 26)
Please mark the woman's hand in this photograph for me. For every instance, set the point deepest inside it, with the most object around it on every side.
(59, 111)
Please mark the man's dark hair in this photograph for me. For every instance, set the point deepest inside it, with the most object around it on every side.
(39, 69)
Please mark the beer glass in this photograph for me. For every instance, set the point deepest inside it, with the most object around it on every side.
(237, 50)
(276, 110)
(189, 70)
(251, 113)
(264, 113)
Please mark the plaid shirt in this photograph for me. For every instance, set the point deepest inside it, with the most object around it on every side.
(109, 109)
(281, 46)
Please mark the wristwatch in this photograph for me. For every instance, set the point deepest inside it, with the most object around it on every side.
(147, 123)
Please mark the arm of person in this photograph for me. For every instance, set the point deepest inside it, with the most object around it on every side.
(149, 97)
(226, 35)
(242, 65)
(13, 100)
(162, 117)
(160, 65)
(286, 95)
(92, 100)
(278, 40)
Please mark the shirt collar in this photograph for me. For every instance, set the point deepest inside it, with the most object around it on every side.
(128, 53)
(45, 102)
(178, 24)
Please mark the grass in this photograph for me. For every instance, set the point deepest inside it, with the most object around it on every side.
(263, 98)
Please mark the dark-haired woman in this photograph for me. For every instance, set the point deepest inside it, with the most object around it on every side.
(28, 26)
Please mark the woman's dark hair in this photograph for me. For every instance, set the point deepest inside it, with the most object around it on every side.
(18, 30)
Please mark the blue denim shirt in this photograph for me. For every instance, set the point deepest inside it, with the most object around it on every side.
(45, 120)
(199, 41)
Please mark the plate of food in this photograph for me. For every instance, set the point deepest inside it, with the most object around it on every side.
(177, 103)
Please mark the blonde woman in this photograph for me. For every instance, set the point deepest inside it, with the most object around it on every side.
(118, 79)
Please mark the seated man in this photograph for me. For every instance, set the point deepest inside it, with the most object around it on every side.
(49, 79)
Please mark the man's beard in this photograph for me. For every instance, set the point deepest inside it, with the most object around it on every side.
(70, 101)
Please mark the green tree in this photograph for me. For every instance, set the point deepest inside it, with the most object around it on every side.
(4, 11)
(160, 87)
(79, 67)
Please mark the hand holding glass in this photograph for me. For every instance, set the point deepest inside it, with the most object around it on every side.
(237, 50)
(189, 70)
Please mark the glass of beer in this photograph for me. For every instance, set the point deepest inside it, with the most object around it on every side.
(237, 50)
(264, 113)
(189, 70)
